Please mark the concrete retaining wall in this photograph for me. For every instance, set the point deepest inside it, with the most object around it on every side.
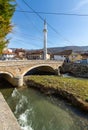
(7, 119)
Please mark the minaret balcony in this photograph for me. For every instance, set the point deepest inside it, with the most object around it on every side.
(44, 30)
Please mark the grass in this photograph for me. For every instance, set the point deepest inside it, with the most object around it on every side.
(78, 87)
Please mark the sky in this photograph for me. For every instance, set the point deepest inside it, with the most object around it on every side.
(68, 30)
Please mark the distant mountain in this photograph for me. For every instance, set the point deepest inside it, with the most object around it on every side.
(73, 48)
(59, 49)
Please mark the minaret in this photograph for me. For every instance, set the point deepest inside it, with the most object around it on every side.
(45, 40)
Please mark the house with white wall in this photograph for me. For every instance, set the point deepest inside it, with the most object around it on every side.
(36, 55)
(67, 55)
(7, 54)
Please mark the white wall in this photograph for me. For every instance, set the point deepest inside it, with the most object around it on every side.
(58, 57)
(7, 56)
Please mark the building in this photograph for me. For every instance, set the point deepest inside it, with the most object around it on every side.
(61, 56)
(36, 55)
(7, 54)
(84, 55)
(67, 55)
(20, 54)
(75, 57)
(84, 58)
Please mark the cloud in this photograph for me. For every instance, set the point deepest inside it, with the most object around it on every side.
(81, 4)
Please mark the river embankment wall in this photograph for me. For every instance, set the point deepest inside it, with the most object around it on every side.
(7, 119)
(76, 69)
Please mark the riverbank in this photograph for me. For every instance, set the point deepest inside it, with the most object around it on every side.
(7, 118)
(72, 89)
(75, 69)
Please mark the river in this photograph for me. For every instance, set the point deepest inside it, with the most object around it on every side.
(35, 111)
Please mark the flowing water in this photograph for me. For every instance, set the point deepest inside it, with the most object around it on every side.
(35, 111)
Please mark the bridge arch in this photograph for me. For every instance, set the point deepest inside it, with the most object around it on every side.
(7, 76)
(6, 73)
(42, 67)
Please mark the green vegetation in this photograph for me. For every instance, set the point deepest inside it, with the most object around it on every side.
(7, 9)
(78, 87)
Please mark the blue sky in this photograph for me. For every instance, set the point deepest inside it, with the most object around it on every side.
(28, 28)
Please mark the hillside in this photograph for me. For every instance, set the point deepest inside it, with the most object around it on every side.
(74, 48)
(59, 49)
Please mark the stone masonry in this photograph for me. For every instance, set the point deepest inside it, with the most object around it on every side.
(14, 71)
(76, 69)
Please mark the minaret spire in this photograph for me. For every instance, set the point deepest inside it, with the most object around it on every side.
(45, 40)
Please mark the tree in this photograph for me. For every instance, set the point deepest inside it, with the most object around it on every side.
(7, 9)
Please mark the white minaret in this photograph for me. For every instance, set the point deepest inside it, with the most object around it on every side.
(45, 40)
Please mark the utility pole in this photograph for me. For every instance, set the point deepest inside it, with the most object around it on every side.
(45, 40)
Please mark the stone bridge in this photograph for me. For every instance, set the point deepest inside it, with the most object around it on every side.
(13, 71)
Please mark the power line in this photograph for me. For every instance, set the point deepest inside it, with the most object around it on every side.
(65, 39)
(33, 25)
(24, 42)
(53, 13)
(33, 10)
(28, 18)
(32, 37)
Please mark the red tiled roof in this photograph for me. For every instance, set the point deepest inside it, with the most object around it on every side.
(8, 53)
